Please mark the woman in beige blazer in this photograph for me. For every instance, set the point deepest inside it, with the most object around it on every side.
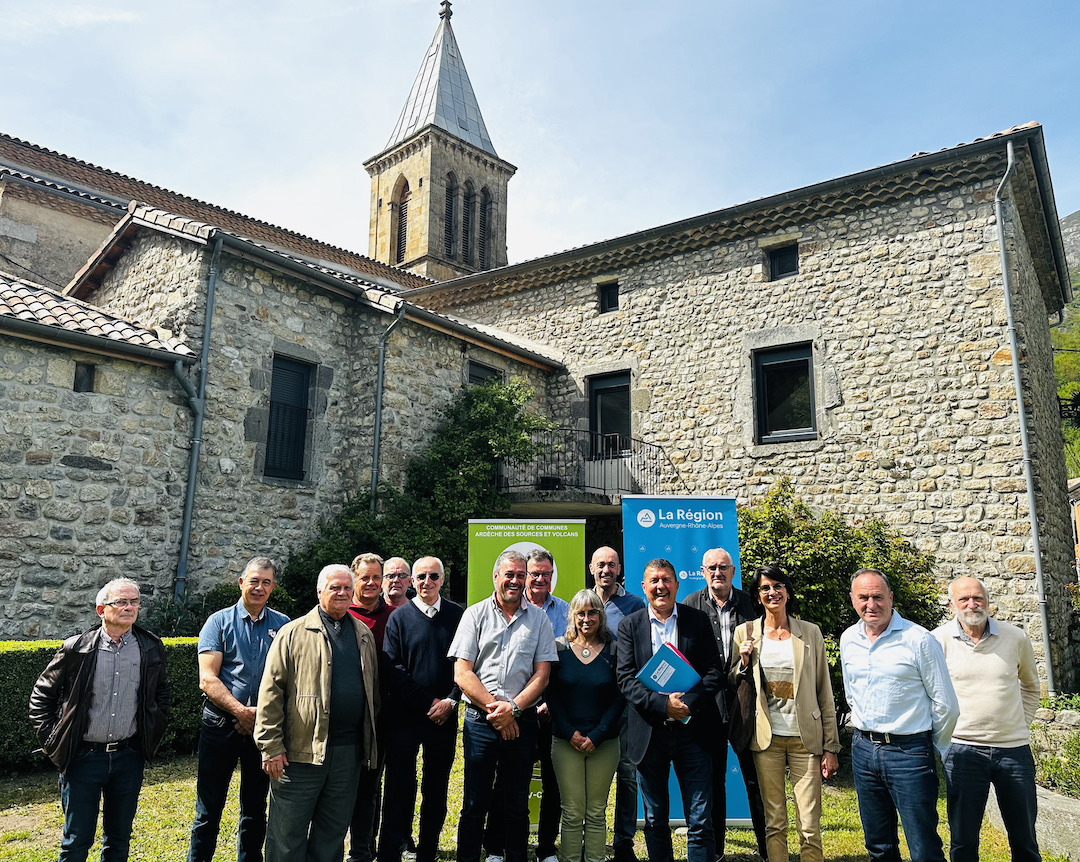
(796, 719)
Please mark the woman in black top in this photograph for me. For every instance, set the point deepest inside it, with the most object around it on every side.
(585, 706)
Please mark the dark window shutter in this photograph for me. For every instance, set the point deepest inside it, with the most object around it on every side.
(287, 433)
(481, 233)
(402, 229)
(448, 228)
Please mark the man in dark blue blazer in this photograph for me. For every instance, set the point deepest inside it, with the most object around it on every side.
(677, 729)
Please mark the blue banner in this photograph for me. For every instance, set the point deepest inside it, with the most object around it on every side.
(681, 530)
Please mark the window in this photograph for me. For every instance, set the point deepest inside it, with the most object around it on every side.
(480, 373)
(608, 295)
(783, 262)
(402, 240)
(483, 220)
(448, 217)
(609, 415)
(286, 436)
(467, 207)
(784, 394)
(84, 377)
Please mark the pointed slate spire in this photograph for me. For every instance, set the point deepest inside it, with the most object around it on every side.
(442, 94)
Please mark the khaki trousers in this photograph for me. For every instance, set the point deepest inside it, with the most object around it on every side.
(786, 754)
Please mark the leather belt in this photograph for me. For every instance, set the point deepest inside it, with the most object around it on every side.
(110, 747)
(890, 738)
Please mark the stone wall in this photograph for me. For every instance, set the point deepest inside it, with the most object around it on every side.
(91, 484)
(916, 409)
(260, 313)
(1070, 236)
(48, 236)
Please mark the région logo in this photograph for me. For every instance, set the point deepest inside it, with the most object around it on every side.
(646, 518)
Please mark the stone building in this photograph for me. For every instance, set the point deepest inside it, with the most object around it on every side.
(860, 337)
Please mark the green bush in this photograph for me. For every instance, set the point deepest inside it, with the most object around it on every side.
(452, 481)
(21, 663)
(821, 552)
(1061, 771)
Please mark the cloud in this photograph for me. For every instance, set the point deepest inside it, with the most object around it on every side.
(26, 24)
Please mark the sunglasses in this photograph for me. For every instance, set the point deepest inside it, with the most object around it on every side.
(423, 576)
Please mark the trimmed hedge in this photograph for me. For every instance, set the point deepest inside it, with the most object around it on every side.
(21, 663)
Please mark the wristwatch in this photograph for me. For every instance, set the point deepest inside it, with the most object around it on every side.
(515, 710)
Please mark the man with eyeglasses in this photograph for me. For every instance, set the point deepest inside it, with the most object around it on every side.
(99, 711)
(397, 582)
(424, 708)
(728, 607)
(618, 603)
(233, 645)
(503, 649)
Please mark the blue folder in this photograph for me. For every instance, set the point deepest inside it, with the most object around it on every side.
(668, 671)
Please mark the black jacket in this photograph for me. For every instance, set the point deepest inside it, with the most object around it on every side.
(60, 701)
(744, 612)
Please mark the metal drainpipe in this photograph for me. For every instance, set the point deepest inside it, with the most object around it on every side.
(197, 402)
(378, 402)
(1024, 442)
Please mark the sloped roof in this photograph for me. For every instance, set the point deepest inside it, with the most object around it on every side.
(58, 171)
(982, 159)
(22, 301)
(442, 94)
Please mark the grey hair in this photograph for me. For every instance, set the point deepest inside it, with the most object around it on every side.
(877, 572)
(986, 592)
(408, 568)
(442, 568)
(258, 564)
(106, 592)
(332, 569)
(540, 554)
(586, 600)
(508, 554)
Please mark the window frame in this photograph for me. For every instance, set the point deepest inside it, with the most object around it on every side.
(288, 465)
(485, 373)
(776, 256)
(762, 359)
(599, 448)
(607, 296)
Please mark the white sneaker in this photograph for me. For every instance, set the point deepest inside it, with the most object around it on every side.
(549, 859)
(494, 859)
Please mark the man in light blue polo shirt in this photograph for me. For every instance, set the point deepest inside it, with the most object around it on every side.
(233, 645)
(504, 648)
(902, 707)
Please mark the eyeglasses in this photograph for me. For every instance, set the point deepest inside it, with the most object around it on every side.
(537, 576)
(778, 588)
(396, 576)
(716, 568)
(423, 576)
(122, 603)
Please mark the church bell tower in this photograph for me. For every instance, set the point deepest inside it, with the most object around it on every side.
(438, 189)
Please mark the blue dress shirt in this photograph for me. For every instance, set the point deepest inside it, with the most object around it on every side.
(243, 643)
(898, 683)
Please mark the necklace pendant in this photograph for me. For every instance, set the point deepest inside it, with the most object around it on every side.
(586, 652)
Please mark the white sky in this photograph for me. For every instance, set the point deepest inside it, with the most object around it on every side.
(618, 115)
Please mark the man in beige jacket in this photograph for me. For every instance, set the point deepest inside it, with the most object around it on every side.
(315, 724)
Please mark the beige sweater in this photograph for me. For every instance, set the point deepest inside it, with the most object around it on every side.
(996, 682)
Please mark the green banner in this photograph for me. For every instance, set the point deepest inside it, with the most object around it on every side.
(564, 540)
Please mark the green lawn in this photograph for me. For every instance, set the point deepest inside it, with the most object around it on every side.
(30, 820)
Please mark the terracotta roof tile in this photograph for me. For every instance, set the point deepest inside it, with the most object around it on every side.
(36, 304)
(90, 180)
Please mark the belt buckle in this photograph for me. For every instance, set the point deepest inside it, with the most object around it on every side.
(112, 747)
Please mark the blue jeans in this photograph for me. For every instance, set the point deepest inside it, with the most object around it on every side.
(310, 808)
(969, 772)
(490, 758)
(221, 747)
(94, 776)
(897, 777)
(693, 767)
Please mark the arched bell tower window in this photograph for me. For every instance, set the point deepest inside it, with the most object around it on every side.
(401, 231)
(483, 223)
(448, 216)
(468, 223)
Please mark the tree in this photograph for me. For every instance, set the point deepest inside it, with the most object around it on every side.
(821, 552)
(453, 480)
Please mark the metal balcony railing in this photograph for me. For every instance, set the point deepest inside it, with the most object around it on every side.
(609, 464)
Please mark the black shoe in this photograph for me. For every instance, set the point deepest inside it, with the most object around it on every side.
(624, 853)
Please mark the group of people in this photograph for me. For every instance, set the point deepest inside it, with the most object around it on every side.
(329, 713)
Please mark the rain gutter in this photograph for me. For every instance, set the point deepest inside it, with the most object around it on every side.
(1025, 443)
